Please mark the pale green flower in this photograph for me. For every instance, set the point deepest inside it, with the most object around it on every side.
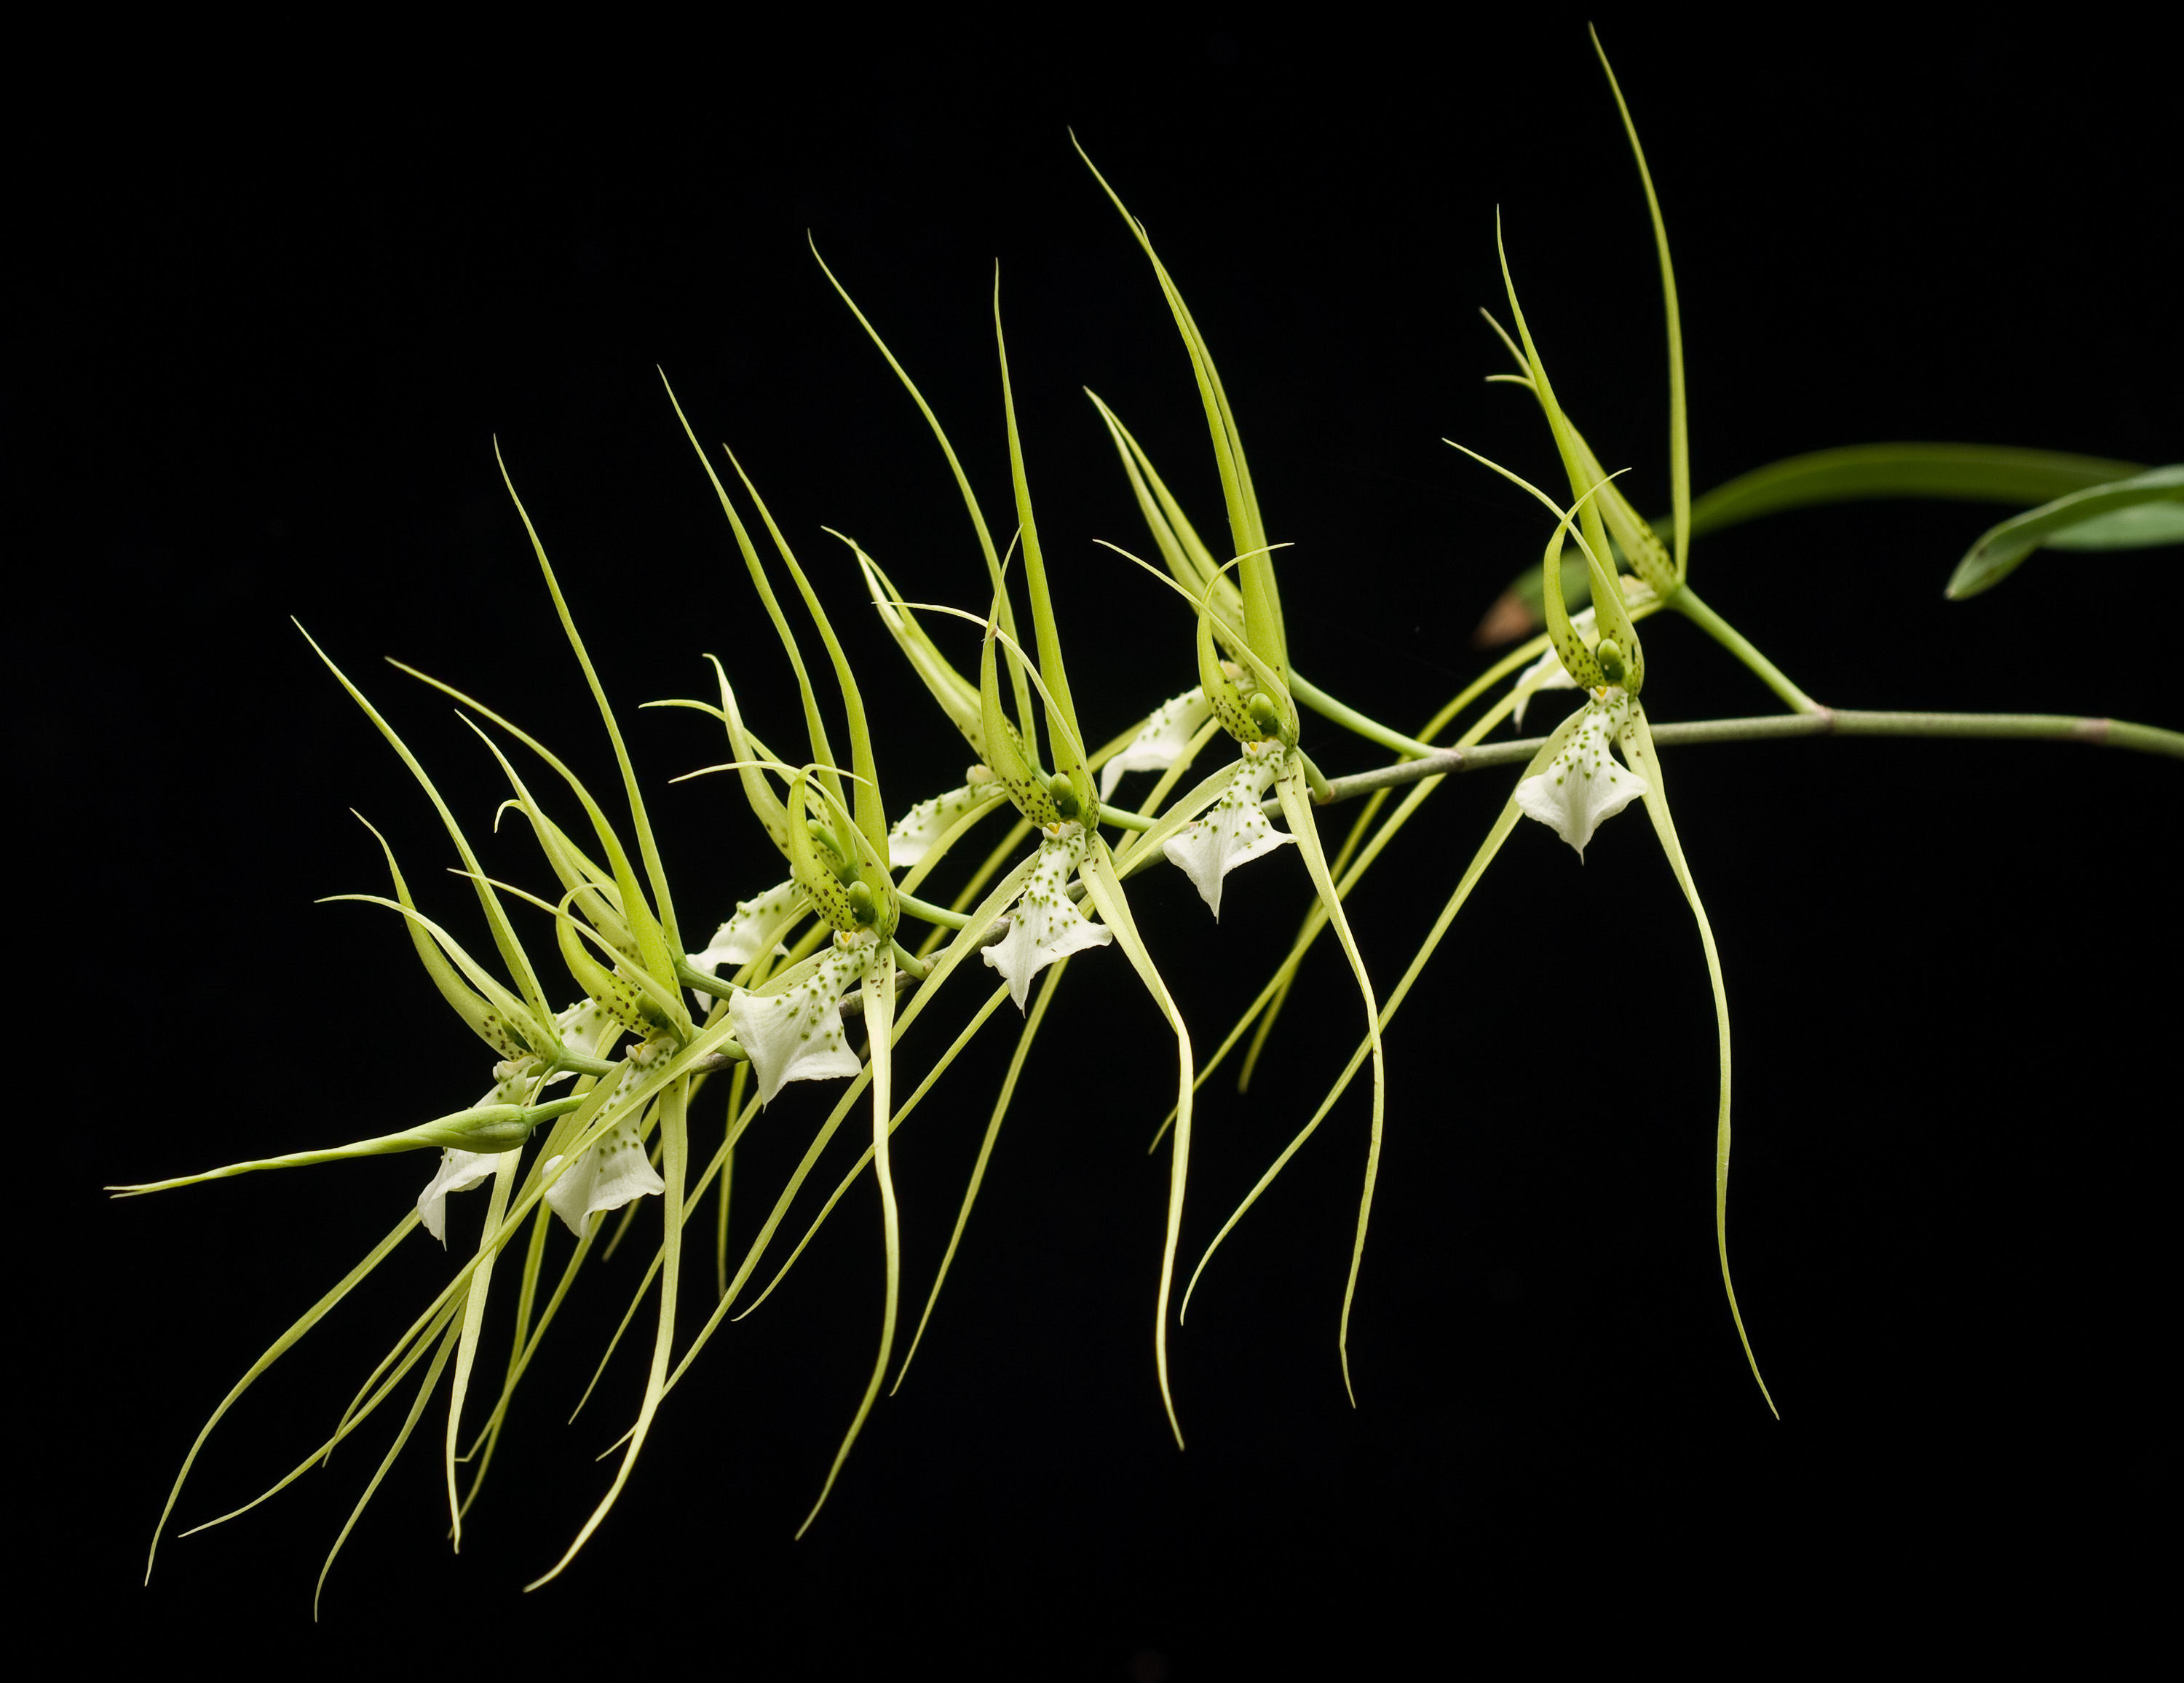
(585, 1026)
(1234, 830)
(1583, 785)
(1043, 924)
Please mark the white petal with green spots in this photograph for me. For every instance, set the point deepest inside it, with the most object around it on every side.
(914, 835)
(1043, 924)
(1585, 785)
(1233, 830)
(796, 1034)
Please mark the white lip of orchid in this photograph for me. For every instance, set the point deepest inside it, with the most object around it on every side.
(615, 1171)
(586, 1027)
(796, 1034)
(1044, 924)
(915, 832)
(1160, 742)
(1583, 785)
(1233, 830)
(757, 927)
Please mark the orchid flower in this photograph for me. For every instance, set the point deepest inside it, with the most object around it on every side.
(1233, 830)
(587, 1026)
(1583, 784)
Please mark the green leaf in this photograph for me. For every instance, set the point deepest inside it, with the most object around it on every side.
(2137, 513)
(1960, 473)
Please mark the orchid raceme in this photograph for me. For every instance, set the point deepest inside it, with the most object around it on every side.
(839, 920)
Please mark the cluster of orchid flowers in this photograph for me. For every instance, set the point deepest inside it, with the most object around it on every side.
(587, 1114)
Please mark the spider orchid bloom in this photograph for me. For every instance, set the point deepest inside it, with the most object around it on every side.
(1234, 830)
(1044, 925)
(792, 1029)
(1583, 785)
(586, 1027)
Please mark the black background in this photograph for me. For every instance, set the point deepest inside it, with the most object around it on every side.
(269, 321)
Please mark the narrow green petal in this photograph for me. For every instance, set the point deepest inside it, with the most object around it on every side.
(1106, 889)
(1647, 765)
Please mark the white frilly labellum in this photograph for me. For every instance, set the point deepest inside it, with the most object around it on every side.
(914, 835)
(615, 1172)
(796, 1034)
(757, 928)
(459, 1171)
(1160, 743)
(1584, 784)
(1233, 830)
(1043, 924)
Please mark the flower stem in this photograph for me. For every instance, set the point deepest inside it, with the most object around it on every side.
(1821, 721)
(1687, 602)
(1310, 696)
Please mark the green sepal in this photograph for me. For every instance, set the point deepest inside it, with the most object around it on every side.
(1635, 541)
(483, 1128)
(876, 908)
(865, 808)
(504, 932)
(1184, 551)
(1019, 682)
(957, 695)
(1648, 558)
(1592, 530)
(595, 896)
(486, 1023)
(765, 803)
(651, 926)
(647, 933)
(2141, 512)
(619, 995)
(1261, 599)
(536, 1031)
(815, 725)
(1005, 752)
(1062, 732)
